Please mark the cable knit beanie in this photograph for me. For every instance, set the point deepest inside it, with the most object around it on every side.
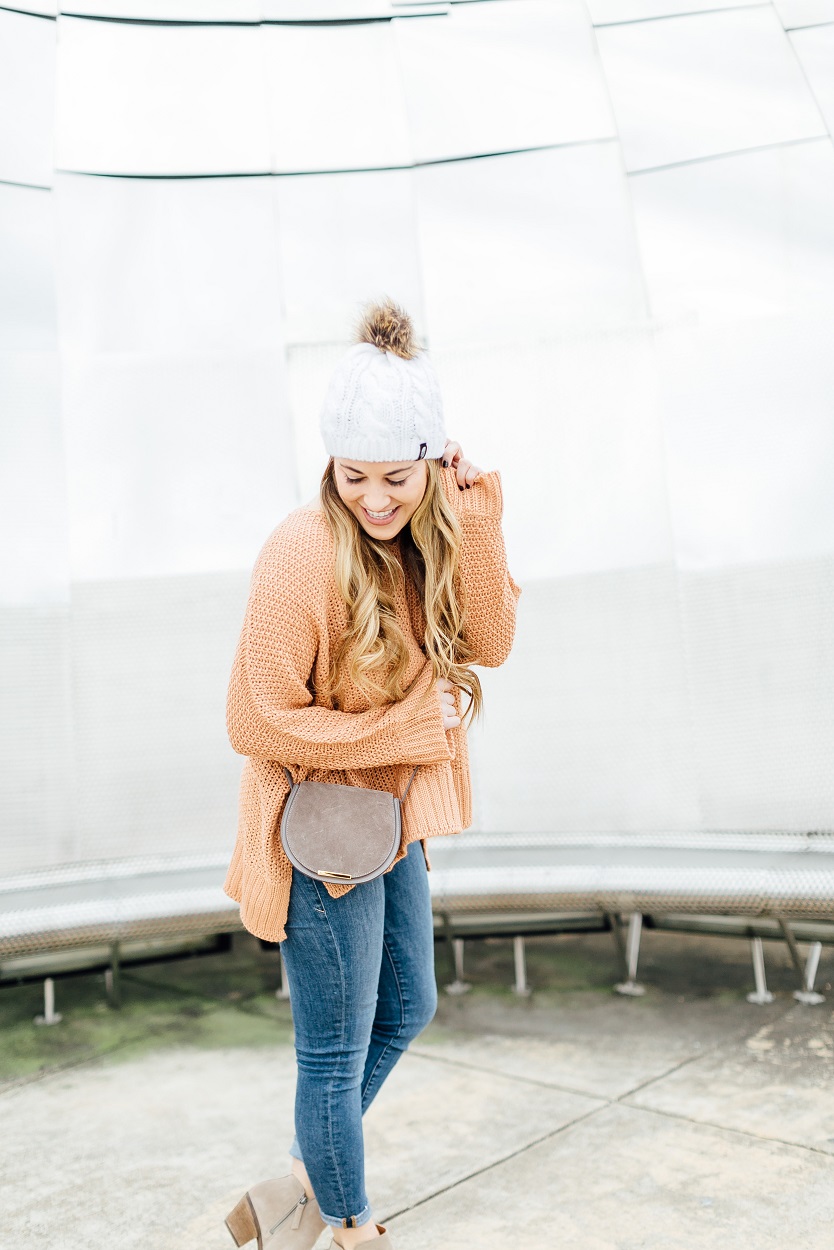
(383, 402)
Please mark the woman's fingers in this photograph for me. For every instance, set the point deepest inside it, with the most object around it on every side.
(452, 453)
(448, 708)
(465, 471)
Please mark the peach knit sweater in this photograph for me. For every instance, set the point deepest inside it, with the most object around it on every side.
(280, 709)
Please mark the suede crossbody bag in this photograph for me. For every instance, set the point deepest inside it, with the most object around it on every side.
(341, 833)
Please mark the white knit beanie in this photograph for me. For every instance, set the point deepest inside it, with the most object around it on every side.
(383, 402)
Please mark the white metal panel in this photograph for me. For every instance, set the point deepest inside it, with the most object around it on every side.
(815, 49)
(658, 700)
(520, 246)
(27, 258)
(612, 12)
(761, 688)
(690, 87)
(750, 440)
(169, 10)
(151, 265)
(146, 99)
(323, 10)
(345, 239)
(35, 662)
(33, 510)
(27, 98)
(151, 658)
(573, 425)
(591, 710)
(176, 464)
(804, 12)
(340, 10)
(502, 76)
(198, 11)
(745, 236)
(36, 737)
(335, 97)
(309, 368)
(47, 8)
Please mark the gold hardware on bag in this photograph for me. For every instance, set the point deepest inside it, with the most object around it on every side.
(325, 872)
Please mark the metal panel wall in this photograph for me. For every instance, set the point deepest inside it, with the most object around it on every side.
(613, 226)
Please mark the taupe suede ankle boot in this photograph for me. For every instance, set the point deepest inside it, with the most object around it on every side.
(382, 1242)
(279, 1213)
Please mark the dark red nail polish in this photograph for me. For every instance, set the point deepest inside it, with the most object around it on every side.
(459, 486)
(468, 485)
(445, 464)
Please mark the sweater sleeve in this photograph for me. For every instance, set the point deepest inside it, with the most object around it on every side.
(269, 710)
(491, 593)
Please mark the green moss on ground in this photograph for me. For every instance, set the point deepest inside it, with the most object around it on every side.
(214, 1001)
(227, 1000)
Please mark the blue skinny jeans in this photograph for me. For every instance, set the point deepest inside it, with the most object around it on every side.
(360, 970)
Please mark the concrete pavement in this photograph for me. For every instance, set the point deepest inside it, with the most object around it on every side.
(687, 1120)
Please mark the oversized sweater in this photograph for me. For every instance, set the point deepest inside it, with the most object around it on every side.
(280, 710)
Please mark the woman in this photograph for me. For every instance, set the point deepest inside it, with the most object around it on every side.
(367, 610)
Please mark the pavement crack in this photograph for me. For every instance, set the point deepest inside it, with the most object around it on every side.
(604, 1104)
(724, 1128)
(732, 1038)
(487, 1167)
(510, 1076)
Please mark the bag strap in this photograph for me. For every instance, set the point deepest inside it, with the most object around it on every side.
(408, 786)
(402, 800)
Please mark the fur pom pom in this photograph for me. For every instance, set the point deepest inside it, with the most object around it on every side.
(389, 328)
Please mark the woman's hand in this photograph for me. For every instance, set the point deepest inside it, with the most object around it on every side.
(445, 690)
(465, 471)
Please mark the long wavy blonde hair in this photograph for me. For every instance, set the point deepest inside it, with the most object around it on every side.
(373, 651)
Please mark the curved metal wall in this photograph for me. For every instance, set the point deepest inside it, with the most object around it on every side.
(614, 225)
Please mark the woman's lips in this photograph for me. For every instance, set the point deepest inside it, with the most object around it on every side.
(376, 520)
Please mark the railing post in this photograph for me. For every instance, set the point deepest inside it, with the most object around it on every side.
(520, 987)
(283, 990)
(761, 994)
(458, 986)
(630, 986)
(50, 1015)
(808, 995)
(113, 977)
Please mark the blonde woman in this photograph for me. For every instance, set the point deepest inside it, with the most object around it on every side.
(367, 613)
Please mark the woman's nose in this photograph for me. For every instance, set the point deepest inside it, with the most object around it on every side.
(377, 501)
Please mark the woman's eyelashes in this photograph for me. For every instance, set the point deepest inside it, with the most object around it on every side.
(354, 481)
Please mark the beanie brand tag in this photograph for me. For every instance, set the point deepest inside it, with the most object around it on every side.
(422, 454)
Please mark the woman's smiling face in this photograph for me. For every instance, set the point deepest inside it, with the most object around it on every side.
(382, 496)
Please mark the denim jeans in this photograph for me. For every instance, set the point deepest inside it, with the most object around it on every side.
(360, 970)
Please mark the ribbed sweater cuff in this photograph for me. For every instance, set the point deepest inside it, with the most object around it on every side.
(482, 499)
(263, 903)
(422, 736)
